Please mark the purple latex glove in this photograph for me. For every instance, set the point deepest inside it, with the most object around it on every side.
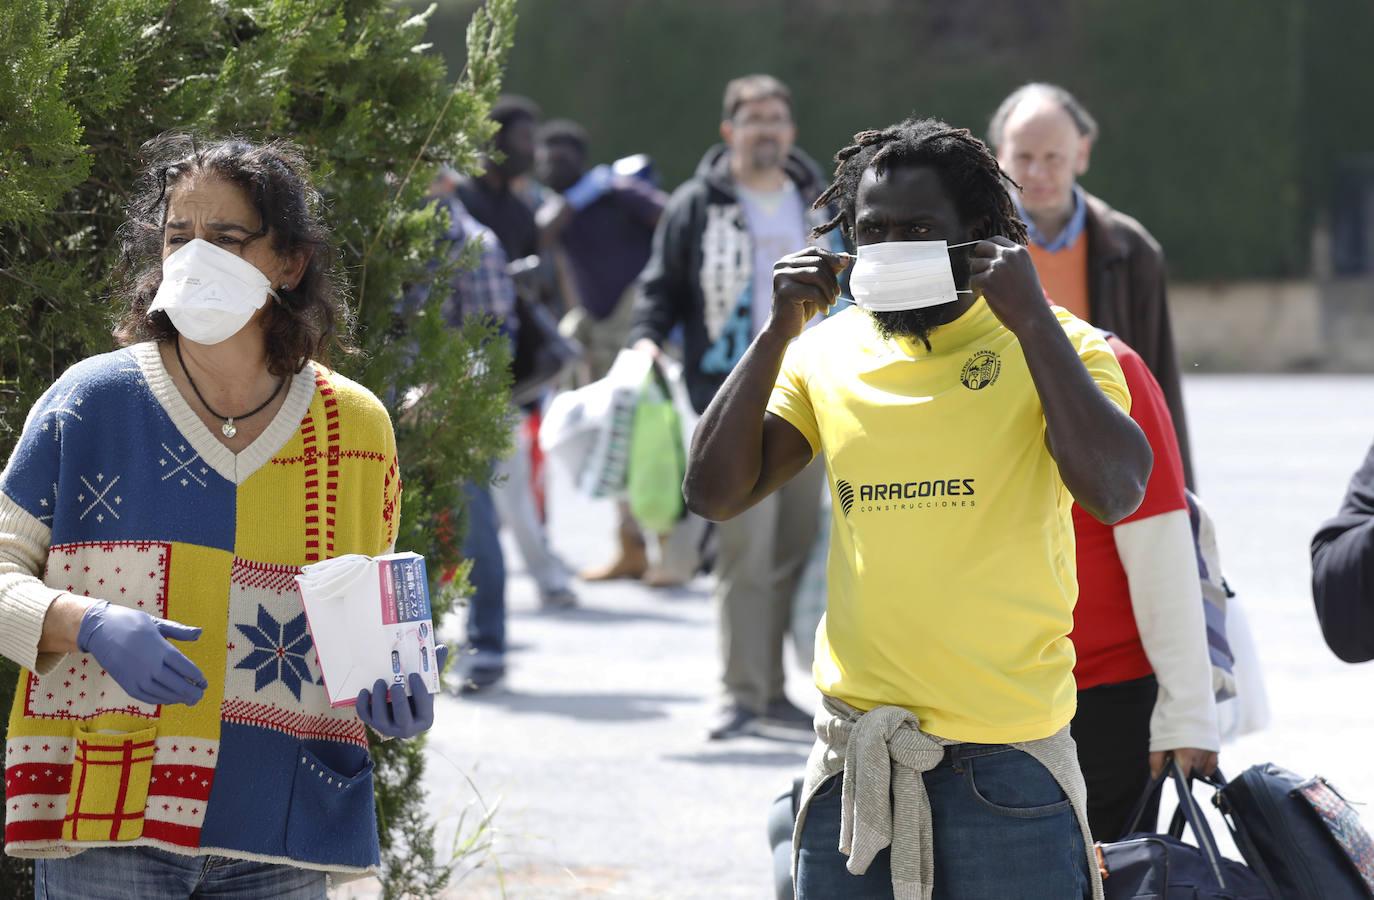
(132, 646)
(591, 187)
(397, 715)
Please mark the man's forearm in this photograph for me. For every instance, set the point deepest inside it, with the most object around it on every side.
(1102, 454)
(1159, 558)
(727, 449)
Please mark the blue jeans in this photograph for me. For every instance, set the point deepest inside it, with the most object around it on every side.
(1002, 828)
(486, 625)
(146, 873)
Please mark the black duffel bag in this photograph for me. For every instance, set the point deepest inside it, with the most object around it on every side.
(1299, 834)
(1148, 866)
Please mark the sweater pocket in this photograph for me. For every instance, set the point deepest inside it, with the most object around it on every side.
(109, 786)
(332, 819)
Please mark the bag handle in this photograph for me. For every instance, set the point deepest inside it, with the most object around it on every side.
(1138, 812)
(1197, 821)
(1189, 810)
(659, 378)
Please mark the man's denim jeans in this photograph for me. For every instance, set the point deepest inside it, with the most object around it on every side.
(1003, 829)
(146, 873)
(486, 623)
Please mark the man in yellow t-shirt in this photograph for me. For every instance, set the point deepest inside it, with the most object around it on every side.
(954, 440)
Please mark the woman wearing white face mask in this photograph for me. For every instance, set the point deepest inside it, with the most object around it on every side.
(171, 734)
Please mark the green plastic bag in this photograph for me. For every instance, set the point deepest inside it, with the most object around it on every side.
(658, 462)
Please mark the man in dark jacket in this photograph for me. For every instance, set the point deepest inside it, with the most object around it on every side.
(1343, 571)
(1098, 263)
(710, 271)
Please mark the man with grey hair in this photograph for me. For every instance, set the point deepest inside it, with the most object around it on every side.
(1099, 263)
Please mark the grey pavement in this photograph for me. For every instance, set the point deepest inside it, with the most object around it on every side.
(595, 756)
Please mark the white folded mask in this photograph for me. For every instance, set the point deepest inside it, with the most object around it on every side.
(210, 293)
(900, 275)
(332, 577)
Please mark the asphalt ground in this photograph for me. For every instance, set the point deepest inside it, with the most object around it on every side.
(593, 753)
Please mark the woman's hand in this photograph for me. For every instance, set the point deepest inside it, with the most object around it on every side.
(397, 715)
(132, 646)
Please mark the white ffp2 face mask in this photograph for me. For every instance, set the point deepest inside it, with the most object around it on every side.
(209, 293)
(900, 275)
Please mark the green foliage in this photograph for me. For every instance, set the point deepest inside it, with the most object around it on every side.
(1222, 122)
(41, 137)
(86, 82)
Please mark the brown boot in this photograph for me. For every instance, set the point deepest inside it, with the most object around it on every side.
(633, 561)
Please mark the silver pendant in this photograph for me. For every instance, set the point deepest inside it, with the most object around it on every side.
(228, 428)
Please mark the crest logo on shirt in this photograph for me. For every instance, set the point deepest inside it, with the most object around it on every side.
(981, 370)
(846, 491)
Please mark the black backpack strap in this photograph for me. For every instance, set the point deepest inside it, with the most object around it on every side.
(1238, 833)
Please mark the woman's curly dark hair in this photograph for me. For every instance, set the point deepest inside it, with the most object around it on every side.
(313, 319)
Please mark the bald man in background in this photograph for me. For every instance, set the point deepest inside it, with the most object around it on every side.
(1098, 263)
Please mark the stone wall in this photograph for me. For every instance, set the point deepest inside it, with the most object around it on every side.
(1274, 326)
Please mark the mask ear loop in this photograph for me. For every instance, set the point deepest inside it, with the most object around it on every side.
(956, 247)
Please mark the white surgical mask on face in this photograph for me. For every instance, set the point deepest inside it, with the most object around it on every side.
(900, 275)
(210, 293)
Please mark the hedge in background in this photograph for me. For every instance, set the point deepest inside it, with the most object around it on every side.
(85, 82)
(1222, 122)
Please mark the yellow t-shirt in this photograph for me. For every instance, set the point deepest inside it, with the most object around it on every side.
(951, 574)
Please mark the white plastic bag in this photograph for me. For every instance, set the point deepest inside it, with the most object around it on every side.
(588, 430)
(1248, 711)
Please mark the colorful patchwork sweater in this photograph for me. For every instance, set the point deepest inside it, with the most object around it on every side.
(118, 491)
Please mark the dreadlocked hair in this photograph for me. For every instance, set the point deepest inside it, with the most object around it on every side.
(967, 167)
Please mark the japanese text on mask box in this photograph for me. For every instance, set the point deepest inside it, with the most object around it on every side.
(404, 591)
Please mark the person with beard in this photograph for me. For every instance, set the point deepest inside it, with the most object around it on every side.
(1095, 261)
(710, 271)
(953, 440)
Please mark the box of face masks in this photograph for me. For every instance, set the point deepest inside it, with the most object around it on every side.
(370, 618)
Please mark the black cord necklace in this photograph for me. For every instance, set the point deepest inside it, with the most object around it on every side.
(227, 429)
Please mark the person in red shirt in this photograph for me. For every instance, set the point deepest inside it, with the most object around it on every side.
(1143, 671)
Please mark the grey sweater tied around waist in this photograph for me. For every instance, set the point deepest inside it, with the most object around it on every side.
(882, 754)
